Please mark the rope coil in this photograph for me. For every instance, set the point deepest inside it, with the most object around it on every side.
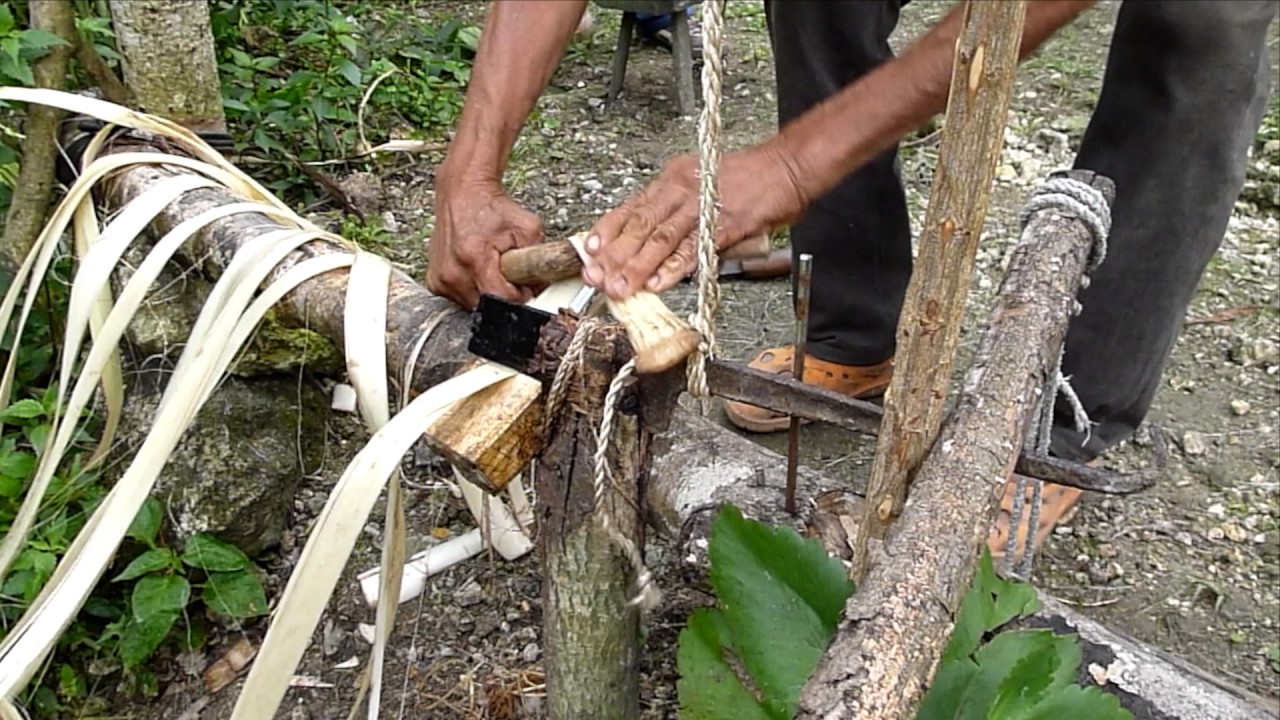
(1090, 206)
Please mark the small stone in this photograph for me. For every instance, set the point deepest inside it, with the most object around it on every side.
(530, 653)
(389, 222)
(1005, 173)
(1235, 533)
(1193, 444)
(1240, 407)
(1217, 510)
(1107, 550)
(592, 185)
(469, 594)
(1261, 352)
(1216, 533)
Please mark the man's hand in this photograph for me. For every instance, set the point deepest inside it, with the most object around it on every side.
(650, 241)
(475, 223)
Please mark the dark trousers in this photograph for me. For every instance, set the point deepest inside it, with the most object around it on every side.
(1182, 99)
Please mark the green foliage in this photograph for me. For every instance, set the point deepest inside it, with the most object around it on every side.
(779, 599)
(295, 73)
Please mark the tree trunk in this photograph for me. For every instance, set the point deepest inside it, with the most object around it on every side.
(929, 325)
(169, 62)
(897, 623)
(591, 634)
(34, 189)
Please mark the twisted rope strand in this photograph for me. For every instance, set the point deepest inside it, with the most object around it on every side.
(708, 197)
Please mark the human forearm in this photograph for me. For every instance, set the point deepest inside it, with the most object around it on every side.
(868, 116)
(522, 43)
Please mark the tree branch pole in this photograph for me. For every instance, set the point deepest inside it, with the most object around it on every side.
(897, 624)
(34, 189)
(591, 631)
(929, 327)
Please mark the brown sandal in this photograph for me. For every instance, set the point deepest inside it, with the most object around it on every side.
(854, 380)
(1058, 504)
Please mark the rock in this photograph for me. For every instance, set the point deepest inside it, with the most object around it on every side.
(364, 191)
(389, 222)
(469, 594)
(1193, 444)
(1261, 352)
(1240, 407)
(530, 653)
(1235, 533)
(1006, 173)
(234, 473)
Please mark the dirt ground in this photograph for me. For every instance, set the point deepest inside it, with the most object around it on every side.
(1192, 566)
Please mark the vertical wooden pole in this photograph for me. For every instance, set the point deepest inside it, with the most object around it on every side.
(929, 327)
(591, 634)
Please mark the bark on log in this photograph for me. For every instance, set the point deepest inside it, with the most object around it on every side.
(929, 326)
(896, 624)
(1149, 683)
(591, 635)
(169, 63)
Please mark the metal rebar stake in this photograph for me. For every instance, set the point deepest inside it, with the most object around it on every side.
(804, 272)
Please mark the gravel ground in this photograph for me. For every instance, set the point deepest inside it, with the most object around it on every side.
(1192, 566)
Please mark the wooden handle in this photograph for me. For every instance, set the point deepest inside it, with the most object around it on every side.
(775, 264)
(554, 261)
(541, 264)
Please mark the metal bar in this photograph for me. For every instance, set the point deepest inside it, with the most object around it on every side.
(804, 274)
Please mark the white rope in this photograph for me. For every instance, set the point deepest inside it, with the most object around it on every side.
(708, 198)
(1089, 205)
(647, 594)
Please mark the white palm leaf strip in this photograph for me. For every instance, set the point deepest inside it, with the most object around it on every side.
(90, 554)
(124, 117)
(85, 228)
(91, 280)
(506, 528)
(340, 522)
(94, 271)
(364, 330)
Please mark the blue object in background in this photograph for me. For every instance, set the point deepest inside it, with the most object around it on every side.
(649, 24)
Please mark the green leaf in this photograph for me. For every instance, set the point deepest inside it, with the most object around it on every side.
(947, 692)
(469, 37)
(71, 684)
(153, 560)
(146, 525)
(1013, 665)
(781, 596)
(1074, 701)
(990, 603)
(41, 39)
(22, 410)
(350, 71)
(708, 687)
(142, 636)
(158, 595)
(236, 594)
(17, 463)
(213, 555)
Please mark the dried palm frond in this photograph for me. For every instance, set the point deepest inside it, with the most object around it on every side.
(230, 315)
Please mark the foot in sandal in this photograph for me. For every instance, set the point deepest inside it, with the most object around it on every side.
(1058, 505)
(856, 381)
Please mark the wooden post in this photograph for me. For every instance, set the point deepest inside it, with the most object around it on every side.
(929, 326)
(897, 624)
(591, 633)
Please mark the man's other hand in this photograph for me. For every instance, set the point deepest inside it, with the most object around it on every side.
(475, 223)
(650, 241)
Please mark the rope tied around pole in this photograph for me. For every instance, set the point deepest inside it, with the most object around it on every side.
(647, 594)
(708, 198)
(1090, 206)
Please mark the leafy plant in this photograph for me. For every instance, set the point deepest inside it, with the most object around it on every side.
(295, 74)
(779, 599)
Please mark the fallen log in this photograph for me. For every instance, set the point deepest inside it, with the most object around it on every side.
(1148, 681)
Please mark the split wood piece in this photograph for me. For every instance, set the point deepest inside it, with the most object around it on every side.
(986, 57)
(699, 465)
(659, 338)
(897, 623)
(558, 260)
(590, 632)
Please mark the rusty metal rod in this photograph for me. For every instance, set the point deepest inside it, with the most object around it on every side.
(804, 275)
